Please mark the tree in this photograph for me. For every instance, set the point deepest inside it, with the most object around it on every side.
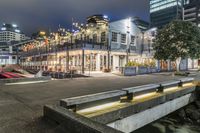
(176, 41)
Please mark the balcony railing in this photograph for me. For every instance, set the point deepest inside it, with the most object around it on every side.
(66, 46)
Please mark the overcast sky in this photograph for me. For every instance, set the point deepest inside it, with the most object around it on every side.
(33, 15)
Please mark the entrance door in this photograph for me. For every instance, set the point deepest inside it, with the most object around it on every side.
(121, 58)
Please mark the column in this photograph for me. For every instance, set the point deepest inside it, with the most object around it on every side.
(98, 62)
(168, 65)
(83, 61)
(158, 64)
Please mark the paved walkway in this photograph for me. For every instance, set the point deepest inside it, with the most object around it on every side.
(99, 74)
(21, 106)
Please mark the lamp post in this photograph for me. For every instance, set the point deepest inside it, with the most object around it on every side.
(128, 39)
(83, 30)
(108, 42)
(142, 45)
(109, 48)
(40, 55)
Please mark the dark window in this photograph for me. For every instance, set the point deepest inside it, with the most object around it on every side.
(103, 36)
(132, 39)
(95, 38)
(114, 37)
(123, 38)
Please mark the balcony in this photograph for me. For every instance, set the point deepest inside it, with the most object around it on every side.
(78, 45)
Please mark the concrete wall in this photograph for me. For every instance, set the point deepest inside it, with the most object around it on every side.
(141, 119)
(17, 80)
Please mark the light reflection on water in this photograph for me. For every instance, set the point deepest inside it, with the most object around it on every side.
(168, 125)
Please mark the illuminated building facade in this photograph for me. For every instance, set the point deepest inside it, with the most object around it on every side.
(98, 45)
(163, 12)
(192, 12)
(11, 32)
(10, 35)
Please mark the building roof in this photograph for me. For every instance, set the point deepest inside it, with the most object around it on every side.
(99, 18)
(10, 27)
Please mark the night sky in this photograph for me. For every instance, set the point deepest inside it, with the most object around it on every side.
(33, 15)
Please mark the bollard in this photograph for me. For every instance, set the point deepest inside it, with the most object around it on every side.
(160, 89)
(127, 98)
(180, 84)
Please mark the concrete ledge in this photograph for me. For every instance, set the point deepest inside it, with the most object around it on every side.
(136, 121)
(75, 123)
(139, 90)
(187, 80)
(171, 83)
(90, 100)
(135, 108)
(16, 80)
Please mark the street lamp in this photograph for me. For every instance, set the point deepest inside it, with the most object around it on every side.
(128, 23)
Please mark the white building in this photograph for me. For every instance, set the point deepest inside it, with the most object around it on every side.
(10, 35)
(95, 47)
(7, 56)
(192, 12)
(11, 32)
(98, 46)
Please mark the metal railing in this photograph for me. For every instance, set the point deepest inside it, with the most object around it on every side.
(123, 95)
(67, 46)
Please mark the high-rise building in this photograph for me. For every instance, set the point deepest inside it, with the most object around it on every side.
(97, 19)
(10, 36)
(163, 12)
(192, 12)
(11, 32)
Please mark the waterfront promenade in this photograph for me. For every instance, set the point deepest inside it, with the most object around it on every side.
(21, 106)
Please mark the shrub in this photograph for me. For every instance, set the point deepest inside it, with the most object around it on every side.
(152, 64)
(181, 73)
(131, 63)
(145, 64)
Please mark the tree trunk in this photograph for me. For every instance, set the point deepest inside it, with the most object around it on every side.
(178, 61)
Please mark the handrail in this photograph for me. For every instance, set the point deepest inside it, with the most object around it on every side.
(74, 102)
(116, 95)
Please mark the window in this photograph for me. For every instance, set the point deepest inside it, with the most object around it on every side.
(88, 38)
(13, 57)
(123, 38)
(132, 39)
(103, 36)
(114, 37)
(94, 38)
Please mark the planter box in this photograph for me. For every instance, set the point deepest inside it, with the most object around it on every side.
(142, 70)
(128, 71)
(153, 70)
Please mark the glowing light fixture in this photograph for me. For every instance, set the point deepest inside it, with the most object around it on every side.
(128, 22)
(3, 28)
(14, 25)
(105, 16)
(42, 32)
(97, 108)
(17, 31)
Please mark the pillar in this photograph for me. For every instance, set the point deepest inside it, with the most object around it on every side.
(168, 65)
(98, 62)
(158, 64)
(83, 61)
